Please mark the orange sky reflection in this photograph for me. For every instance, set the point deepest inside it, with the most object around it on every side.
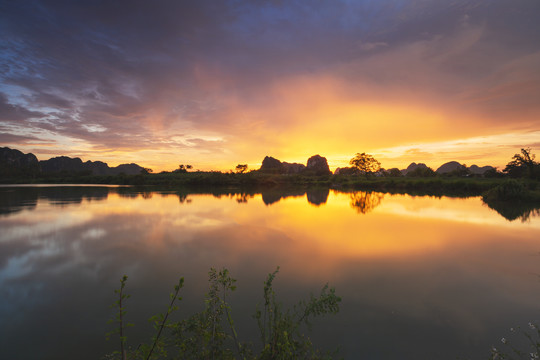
(399, 226)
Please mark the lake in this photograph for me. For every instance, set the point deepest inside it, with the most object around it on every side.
(421, 277)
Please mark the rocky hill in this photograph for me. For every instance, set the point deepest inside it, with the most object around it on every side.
(414, 167)
(272, 165)
(14, 163)
(477, 170)
(446, 169)
(449, 167)
(456, 167)
(316, 165)
(64, 164)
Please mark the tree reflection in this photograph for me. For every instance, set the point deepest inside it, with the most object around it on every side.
(513, 210)
(183, 198)
(147, 194)
(365, 201)
(530, 213)
(242, 197)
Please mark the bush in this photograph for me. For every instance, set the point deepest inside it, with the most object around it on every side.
(508, 190)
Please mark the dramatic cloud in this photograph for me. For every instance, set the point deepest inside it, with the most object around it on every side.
(222, 82)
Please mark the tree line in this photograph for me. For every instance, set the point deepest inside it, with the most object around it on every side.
(523, 165)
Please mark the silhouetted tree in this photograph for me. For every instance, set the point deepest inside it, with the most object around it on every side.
(523, 165)
(422, 172)
(493, 173)
(347, 171)
(365, 163)
(459, 172)
(241, 168)
(183, 168)
(394, 172)
(146, 171)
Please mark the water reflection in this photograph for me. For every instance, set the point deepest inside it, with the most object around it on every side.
(513, 210)
(437, 278)
(365, 201)
(242, 197)
(15, 199)
(315, 196)
(273, 195)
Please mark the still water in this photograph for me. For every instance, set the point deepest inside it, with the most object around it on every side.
(420, 277)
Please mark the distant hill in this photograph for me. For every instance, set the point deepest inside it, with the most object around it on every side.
(450, 167)
(75, 165)
(62, 163)
(454, 166)
(480, 170)
(128, 169)
(414, 167)
(15, 163)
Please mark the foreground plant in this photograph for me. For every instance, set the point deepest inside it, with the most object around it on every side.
(119, 318)
(143, 351)
(525, 346)
(280, 330)
(211, 333)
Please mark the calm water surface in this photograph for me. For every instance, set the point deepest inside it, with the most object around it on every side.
(420, 277)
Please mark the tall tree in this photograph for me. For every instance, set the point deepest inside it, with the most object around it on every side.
(365, 163)
(241, 168)
(523, 165)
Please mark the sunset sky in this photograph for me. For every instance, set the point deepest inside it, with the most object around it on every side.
(218, 83)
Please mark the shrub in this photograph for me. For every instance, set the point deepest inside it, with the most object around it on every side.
(508, 190)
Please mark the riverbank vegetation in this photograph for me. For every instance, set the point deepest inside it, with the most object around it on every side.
(472, 186)
(518, 182)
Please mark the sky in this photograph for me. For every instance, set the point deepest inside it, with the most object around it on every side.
(220, 83)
